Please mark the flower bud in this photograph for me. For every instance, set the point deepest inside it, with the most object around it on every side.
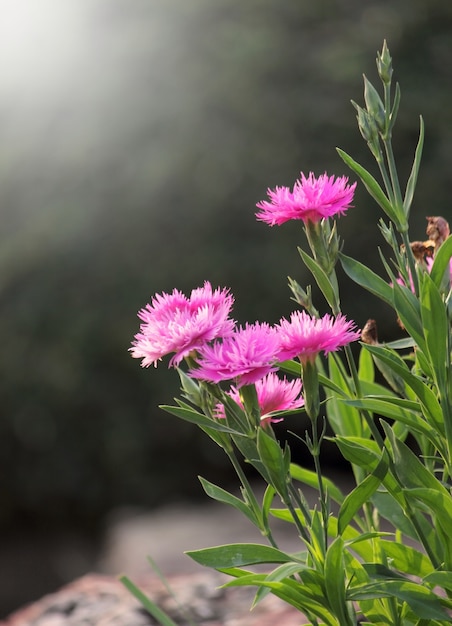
(384, 65)
(374, 105)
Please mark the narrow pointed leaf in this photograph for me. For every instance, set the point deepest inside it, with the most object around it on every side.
(190, 415)
(361, 494)
(436, 329)
(441, 264)
(412, 180)
(366, 278)
(370, 184)
(237, 555)
(221, 495)
(321, 278)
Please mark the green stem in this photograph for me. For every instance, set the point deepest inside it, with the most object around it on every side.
(251, 498)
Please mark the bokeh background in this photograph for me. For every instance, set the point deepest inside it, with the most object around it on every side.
(136, 137)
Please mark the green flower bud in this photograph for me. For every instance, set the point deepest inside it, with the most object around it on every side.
(374, 105)
(384, 65)
(366, 124)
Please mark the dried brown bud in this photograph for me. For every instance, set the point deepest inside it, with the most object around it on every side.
(437, 230)
(369, 333)
(422, 249)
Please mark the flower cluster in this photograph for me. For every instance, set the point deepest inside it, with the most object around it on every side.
(175, 323)
(200, 326)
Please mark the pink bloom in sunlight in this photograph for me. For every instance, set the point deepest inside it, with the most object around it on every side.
(305, 336)
(245, 356)
(312, 199)
(274, 394)
(175, 323)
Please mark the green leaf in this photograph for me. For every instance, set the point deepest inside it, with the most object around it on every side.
(366, 278)
(310, 478)
(279, 573)
(405, 411)
(441, 268)
(362, 494)
(412, 180)
(406, 558)
(409, 312)
(421, 601)
(371, 185)
(303, 597)
(430, 405)
(161, 617)
(275, 461)
(366, 370)
(438, 501)
(442, 579)
(237, 555)
(344, 420)
(321, 279)
(192, 416)
(221, 495)
(436, 329)
(335, 580)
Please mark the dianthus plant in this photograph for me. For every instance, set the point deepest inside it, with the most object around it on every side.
(382, 552)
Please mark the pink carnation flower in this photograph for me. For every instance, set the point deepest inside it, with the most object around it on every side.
(273, 394)
(175, 323)
(305, 336)
(245, 356)
(312, 199)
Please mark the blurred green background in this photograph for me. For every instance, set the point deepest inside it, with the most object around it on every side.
(136, 138)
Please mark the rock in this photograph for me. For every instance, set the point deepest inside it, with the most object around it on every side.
(96, 600)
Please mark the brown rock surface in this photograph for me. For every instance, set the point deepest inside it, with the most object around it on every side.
(96, 600)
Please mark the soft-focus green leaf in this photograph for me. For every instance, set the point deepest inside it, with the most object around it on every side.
(366, 454)
(430, 405)
(275, 461)
(344, 419)
(371, 185)
(162, 618)
(321, 278)
(421, 601)
(366, 370)
(406, 558)
(237, 555)
(221, 495)
(366, 278)
(310, 478)
(302, 597)
(279, 573)
(439, 502)
(409, 312)
(411, 472)
(190, 415)
(436, 329)
(361, 494)
(442, 579)
(335, 583)
(412, 180)
(401, 410)
(441, 264)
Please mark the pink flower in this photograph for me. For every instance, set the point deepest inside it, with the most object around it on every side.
(273, 394)
(305, 336)
(245, 356)
(312, 199)
(175, 323)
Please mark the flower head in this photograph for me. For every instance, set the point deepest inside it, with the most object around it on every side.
(245, 356)
(175, 323)
(305, 336)
(274, 394)
(312, 199)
